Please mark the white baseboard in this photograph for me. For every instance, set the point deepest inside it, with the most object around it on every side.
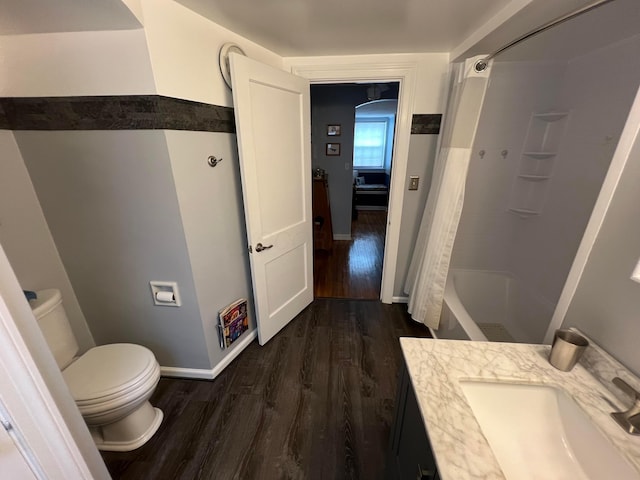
(400, 299)
(210, 374)
(193, 373)
(342, 236)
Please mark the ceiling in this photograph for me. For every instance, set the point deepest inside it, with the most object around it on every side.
(343, 27)
(603, 26)
(37, 16)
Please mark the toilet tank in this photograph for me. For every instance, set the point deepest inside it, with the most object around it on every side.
(53, 322)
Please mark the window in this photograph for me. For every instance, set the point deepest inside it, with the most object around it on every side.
(369, 143)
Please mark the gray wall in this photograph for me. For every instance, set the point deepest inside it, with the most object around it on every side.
(330, 105)
(26, 238)
(111, 205)
(606, 305)
(212, 214)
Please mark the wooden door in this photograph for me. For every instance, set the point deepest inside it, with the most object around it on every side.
(273, 124)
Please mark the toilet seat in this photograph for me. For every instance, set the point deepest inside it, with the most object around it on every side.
(107, 376)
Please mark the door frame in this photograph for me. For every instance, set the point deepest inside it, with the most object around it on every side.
(332, 70)
(49, 444)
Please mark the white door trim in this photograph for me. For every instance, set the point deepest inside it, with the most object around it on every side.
(332, 71)
(46, 442)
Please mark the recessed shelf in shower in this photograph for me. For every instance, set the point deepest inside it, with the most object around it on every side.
(539, 155)
(537, 160)
(534, 178)
(523, 213)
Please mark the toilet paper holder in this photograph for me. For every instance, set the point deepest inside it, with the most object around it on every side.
(165, 294)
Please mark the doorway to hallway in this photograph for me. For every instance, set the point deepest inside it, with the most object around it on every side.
(353, 130)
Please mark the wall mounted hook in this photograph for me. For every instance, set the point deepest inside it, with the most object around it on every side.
(213, 161)
(504, 153)
(481, 153)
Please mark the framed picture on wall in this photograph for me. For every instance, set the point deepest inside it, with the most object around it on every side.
(334, 130)
(333, 149)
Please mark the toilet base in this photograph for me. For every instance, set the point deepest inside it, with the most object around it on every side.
(129, 433)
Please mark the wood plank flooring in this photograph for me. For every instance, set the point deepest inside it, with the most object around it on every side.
(316, 402)
(353, 268)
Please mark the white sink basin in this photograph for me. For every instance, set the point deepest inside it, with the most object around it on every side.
(539, 432)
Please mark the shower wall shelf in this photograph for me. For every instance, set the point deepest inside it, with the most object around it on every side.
(550, 116)
(534, 178)
(523, 213)
(540, 155)
(545, 133)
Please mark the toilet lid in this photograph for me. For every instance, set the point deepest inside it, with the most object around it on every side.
(107, 370)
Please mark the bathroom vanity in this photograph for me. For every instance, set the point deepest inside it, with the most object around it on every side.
(488, 410)
(410, 455)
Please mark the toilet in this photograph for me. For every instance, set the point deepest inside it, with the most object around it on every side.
(111, 384)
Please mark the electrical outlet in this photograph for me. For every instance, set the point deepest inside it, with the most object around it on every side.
(414, 181)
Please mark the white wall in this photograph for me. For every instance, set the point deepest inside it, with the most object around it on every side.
(210, 202)
(184, 50)
(110, 202)
(26, 238)
(76, 63)
(176, 54)
(432, 73)
(422, 154)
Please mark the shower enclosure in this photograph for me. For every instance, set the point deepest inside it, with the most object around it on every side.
(553, 113)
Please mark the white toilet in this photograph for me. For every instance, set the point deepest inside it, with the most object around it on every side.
(111, 384)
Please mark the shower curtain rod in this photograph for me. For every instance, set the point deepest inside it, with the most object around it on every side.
(482, 64)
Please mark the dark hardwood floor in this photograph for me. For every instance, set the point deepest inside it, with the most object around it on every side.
(316, 402)
(353, 268)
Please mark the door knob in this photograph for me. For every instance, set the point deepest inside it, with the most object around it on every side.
(260, 247)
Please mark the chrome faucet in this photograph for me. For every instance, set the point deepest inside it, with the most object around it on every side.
(630, 419)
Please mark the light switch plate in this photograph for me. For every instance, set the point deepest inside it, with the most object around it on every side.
(414, 181)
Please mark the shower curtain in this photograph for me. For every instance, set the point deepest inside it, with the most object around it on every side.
(432, 254)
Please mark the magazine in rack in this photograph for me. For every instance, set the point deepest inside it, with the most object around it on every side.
(234, 321)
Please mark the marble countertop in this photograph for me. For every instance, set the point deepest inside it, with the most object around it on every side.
(461, 450)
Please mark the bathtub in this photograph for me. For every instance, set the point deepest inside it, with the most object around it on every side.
(491, 306)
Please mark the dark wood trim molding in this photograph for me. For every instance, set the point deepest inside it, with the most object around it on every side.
(429, 124)
(136, 112)
(130, 112)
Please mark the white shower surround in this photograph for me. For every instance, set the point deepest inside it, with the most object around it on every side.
(476, 297)
(538, 251)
